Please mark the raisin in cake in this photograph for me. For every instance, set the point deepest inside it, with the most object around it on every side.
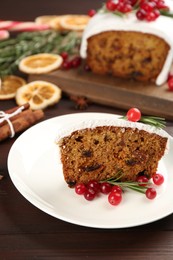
(100, 149)
(129, 48)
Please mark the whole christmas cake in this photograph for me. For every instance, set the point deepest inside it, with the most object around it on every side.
(130, 39)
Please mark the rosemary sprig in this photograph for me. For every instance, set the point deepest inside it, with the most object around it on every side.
(158, 122)
(166, 13)
(28, 43)
(128, 185)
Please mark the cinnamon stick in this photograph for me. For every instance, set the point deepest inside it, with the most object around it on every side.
(12, 110)
(21, 123)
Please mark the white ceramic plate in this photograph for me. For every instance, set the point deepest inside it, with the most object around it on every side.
(35, 169)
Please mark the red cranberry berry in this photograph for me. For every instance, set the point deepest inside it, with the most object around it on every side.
(94, 185)
(170, 83)
(91, 12)
(147, 7)
(66, 64)
(116, 188)
(158, 179)
(89, 194)
(141, 14)
(151, 16)
(105, 188)
(151, 193)
(75, 62)
(142, 180)
(64, 55)
(111, 6)
(80, 189)
(133, 115)
(114, 198)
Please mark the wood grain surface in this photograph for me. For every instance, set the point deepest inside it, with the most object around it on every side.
(115, 92)
(27, 233)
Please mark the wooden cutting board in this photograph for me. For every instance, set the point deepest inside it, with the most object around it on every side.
(149, 98)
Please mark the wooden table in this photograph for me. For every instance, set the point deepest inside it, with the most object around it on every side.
(28, 233)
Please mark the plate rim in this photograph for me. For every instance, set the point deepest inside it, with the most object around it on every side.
(42, 208)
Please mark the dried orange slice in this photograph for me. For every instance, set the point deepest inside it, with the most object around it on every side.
(45, 19)
(9, 86)
(56, 23)
(40, 63)
(39, 94)
(74, 22)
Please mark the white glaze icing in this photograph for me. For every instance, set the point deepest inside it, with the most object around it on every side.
(161, 27)
(111, 122)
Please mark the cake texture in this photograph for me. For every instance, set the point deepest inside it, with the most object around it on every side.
(127, 54)
(126, 47)
(103, 149)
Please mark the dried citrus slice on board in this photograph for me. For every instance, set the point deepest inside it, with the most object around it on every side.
(45, 19)
(56, 23)
(40, 63)
(74, 22)
(9, 86)
(39, 94)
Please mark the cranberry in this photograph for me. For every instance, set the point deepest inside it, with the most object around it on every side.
(141, 14)
(147, 7)
(120, 6)
(75, 62)
(116, 188)
(94, 185)
(133, 115)
(64, 55)
(89, 194)
(126, 8)
(111, 6)
(67, 64)
(91, 12)
(105, 188)
(80, 188)
(151, 193)
(161, 5)
(142, 180)
(170, 83)
(158, 179)
(114, 198)
(151, 16)
(157, 13)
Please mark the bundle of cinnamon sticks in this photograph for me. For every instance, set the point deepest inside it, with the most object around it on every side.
(20, 117)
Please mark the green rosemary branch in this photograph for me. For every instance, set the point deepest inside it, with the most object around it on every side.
(166, 13)
(29, 43)
(128, 185)
(158, 122)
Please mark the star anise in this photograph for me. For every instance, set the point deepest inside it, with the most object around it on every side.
(80, 101)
